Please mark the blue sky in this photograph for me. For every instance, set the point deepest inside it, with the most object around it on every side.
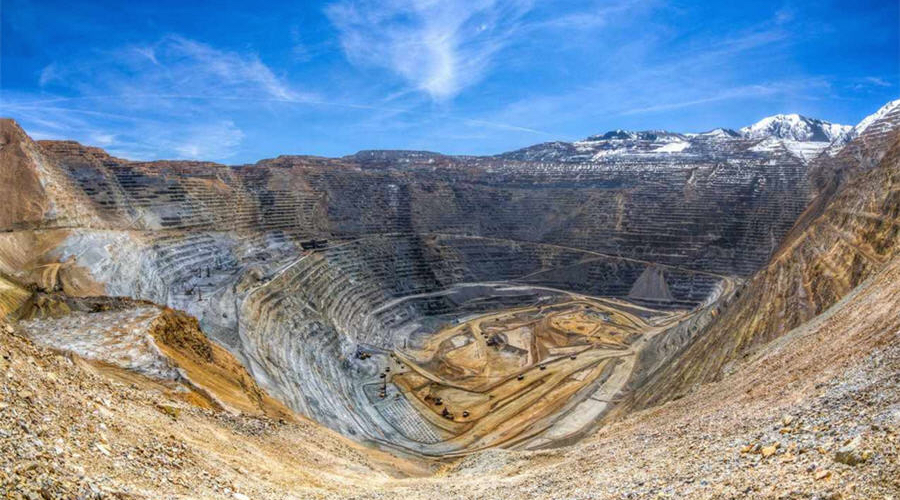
(239, 81)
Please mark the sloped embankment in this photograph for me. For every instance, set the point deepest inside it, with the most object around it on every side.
(791, 421)
(210, 368)
(854, 235)
(131, 340)
(69, 430)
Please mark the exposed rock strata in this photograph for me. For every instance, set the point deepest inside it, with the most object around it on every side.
(297, 263)
(845, 237)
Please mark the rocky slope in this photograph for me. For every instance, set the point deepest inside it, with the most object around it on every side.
(298, 265)
(845, 237)
(71, 429)
(121, 336)
(362, 235)
(813, 414)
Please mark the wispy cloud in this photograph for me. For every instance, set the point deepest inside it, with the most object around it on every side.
(651, 76)
(877, 81)
(152, 100)
(589, 18)
(764, 90)
(438, 46)
(210, 140)
(171, 65)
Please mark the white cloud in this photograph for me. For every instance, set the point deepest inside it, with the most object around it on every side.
(161, 99)
(48, 74)
(172, 66)
(199, 67)
(176, 66)
(589, 18)
(210, 140)
(642, 77)
(781, 88)
(877, 81)
(102, 139)
(439, 47)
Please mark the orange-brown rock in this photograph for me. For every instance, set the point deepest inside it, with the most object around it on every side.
(25, 202)
(213, 371)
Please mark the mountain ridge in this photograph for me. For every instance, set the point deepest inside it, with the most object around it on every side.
(795, 127)
(801, 136)
(795, 134)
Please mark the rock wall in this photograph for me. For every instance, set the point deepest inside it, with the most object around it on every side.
(847, 235)
(295, 263)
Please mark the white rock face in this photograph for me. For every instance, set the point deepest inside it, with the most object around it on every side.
(120, 338)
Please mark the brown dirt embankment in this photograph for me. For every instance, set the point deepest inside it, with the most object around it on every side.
(24, 199)
(214, 372)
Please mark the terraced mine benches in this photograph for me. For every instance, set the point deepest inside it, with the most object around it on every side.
(458, 320)
(417, 242)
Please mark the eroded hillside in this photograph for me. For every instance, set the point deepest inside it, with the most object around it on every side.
(435, 307)
(318, 274)
(848, 234)
(812, 414)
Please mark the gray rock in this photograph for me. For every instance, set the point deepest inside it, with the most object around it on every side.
(851, 453)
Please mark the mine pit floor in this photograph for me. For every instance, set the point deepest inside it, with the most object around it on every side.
(506, 377)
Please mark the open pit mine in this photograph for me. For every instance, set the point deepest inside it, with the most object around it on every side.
(563, 321)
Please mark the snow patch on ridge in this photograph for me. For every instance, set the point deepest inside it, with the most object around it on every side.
(869, 120)
(720, 133)
(864, 125)
(673, 147)
(805, 150)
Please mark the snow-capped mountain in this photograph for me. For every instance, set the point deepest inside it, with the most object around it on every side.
(888, 109)
(790, 141)
(793, 134)
(795, 127)
(602, 146)
(802, 136)
(877, 124)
